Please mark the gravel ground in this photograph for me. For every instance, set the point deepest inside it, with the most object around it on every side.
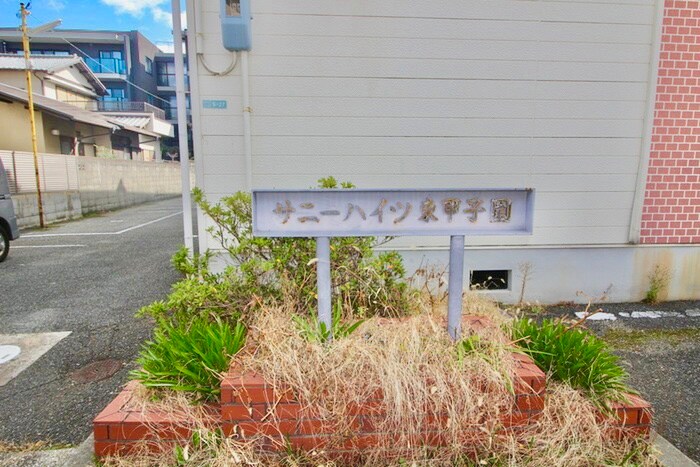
(665, 372)
(92, 289)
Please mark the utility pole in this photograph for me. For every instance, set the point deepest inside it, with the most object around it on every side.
(30, 102)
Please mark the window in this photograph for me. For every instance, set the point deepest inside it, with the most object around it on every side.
(494, 279)
(149, 66)
(114, 95)
(166, 74)
(171, 107)
(67, 145)
(117, 54)
(109, 61)
(171, 113)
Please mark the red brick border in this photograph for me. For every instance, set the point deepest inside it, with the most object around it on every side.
(119, 428)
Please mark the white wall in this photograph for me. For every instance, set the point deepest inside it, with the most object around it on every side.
(449, 93)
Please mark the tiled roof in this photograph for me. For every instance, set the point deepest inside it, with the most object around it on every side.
(39, 62)
(59, 108)
(50, 64)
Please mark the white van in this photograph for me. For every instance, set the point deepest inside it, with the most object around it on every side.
(8, 221)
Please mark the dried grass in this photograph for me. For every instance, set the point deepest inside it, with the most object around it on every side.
(571, 433)
(414, 367)
(409, 366)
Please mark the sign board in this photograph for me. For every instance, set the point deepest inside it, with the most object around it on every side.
(353, 213)
(214, 104)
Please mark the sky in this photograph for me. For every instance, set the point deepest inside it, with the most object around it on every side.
(151, 17)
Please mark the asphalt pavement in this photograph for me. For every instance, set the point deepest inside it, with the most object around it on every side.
(88, 278)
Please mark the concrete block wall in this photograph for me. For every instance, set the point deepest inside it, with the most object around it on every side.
(111, 184)
(58, 206)
(104, 184)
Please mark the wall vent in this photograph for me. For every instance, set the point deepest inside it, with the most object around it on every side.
(490, 279)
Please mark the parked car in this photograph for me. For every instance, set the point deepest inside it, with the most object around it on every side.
(8, 220)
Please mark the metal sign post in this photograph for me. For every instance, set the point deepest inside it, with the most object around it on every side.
(323, 281)
(354, 213)
(455, 286)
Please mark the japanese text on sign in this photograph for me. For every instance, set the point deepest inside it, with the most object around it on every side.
(310, 213)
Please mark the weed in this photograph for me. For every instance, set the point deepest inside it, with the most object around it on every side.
(317, 332)
(430, 281)
(659, 279)
(525, 271)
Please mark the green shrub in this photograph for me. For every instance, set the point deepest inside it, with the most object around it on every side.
(276, 269)
(190, 356)
(201, 295)
(575, 357)
(188, 264)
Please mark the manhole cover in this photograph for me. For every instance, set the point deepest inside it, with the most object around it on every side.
(96, 371)
(8, 352)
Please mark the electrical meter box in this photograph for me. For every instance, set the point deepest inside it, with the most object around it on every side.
(235, 24)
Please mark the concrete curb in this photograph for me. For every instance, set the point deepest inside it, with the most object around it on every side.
(670, 455)
(79, 456)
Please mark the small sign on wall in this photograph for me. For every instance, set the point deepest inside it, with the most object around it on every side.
(214, 103)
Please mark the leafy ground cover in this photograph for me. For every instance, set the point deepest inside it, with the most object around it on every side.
(574, 356)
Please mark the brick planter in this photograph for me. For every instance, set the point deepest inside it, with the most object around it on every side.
(249, 407)
(120, 427)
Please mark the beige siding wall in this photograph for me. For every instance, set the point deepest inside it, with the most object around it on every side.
(18, 79)
(448, 93)
(15, 130)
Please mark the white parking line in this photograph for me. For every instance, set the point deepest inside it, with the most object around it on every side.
(47, 246)
(31, 347)
(77, 234)
(148, 223)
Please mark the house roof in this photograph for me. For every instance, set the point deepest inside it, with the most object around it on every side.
(51, 64)
(71, 112)
(58, 108)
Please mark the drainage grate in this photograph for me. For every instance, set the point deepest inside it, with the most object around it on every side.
(96, 371)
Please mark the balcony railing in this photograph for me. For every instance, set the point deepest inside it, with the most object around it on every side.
(107, 65)
(129, 106)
